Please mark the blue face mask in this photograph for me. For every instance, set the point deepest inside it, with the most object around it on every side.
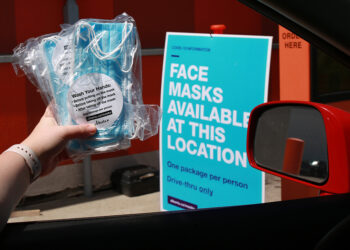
(91, 76)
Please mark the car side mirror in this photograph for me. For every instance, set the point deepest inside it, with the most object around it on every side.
(302, 141)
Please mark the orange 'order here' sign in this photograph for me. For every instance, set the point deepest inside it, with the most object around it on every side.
(294, 66)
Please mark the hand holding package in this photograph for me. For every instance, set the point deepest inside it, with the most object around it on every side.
(91, 73)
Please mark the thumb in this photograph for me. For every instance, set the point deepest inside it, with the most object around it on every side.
(78, 131)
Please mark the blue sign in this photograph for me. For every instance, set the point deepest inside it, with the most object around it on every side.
(210, 85)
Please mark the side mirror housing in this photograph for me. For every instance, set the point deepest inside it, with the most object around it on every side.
(302, 141)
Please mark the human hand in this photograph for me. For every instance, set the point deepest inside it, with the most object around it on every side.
(48, 140)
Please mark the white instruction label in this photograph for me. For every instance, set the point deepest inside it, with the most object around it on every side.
(95, 98)
(62, 59)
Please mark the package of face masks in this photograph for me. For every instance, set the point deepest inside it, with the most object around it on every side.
(90, 72)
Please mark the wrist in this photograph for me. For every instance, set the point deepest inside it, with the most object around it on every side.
(31, 159)
(35, 147)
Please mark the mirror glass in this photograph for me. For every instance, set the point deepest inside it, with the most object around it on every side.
(291, 139)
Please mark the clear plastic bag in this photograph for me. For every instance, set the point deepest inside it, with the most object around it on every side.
(90, 72)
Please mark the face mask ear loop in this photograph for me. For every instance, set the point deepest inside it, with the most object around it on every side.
(96, 49)
(48, 87)
(132, 58)
(53, 39)
(108, 55)
(132, 53)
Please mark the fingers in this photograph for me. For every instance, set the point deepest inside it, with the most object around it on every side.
(78, 131)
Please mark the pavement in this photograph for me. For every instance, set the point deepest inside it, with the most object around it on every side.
(105, 203)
